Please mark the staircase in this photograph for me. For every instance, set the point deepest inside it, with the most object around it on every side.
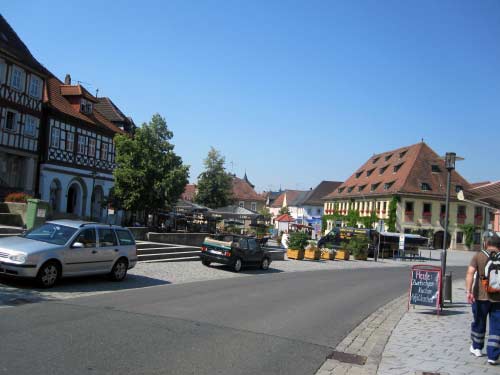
(9, 219)
(6, 231)
(150, 252)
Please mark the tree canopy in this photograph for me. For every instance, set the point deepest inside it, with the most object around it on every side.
(149, 175)
(214, 183)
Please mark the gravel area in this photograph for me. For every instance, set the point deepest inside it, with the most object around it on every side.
(15, 292)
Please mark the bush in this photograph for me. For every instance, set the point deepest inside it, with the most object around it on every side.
(297, 241)
(17, 197)
(358, 246)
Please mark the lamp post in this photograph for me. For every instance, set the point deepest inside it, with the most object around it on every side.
(449, 162)
(92, 197)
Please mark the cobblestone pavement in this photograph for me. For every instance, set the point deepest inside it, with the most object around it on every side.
(424, 342)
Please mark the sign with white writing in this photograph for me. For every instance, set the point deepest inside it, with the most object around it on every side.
(425, 286)
(402, 241)
(41, 212)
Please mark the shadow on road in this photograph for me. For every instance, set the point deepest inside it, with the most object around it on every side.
(247, 270)
(15, 292)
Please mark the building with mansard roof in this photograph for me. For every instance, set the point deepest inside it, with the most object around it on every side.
(22, 80)
(416, 177)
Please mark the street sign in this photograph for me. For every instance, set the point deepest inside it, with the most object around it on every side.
(402, 241)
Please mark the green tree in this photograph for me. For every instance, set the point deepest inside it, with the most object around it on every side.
(284, 210)
(469, 230)
(266, 214)
(391, 221)
(214, 184)
(149, 175)
(368, 221)
(352, 218)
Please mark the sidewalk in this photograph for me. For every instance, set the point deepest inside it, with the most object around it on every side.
(424, 342)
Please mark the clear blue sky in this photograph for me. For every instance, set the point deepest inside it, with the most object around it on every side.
(294, 92)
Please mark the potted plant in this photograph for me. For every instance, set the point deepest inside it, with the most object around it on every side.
(343, 253)
(312, 252)
(328, 253)
(358, 247)
(297, 242)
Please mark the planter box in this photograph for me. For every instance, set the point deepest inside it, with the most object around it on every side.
(360, 257)
(295, 254)
(312, 254)
(327, 255)
(342, 255)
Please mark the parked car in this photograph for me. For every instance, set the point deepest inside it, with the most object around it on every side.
(68, 248)
(235, 251)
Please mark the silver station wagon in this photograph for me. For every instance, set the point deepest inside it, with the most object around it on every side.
(68, 248)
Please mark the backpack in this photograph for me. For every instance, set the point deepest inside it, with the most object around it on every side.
(491, 278)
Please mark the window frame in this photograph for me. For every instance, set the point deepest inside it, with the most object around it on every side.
(55, 140)
(128, 234)
(14, 70)
(34, 126)
(39, 86)
(99, 230)
(15, 122)
(84, 245)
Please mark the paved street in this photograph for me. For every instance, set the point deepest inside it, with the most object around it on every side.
(277, 323)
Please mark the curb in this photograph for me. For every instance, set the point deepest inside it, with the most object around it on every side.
(367, 341)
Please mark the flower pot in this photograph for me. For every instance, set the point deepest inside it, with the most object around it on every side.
(342, 255)
(328, 255)
(312, 254)
(295, 254)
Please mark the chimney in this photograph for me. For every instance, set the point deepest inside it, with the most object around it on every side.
(67, 79)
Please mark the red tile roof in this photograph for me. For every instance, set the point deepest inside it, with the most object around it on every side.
(403, 170)
(243, 191)
(291, 196)
(54, 98)
(77, 90)
(285, 218)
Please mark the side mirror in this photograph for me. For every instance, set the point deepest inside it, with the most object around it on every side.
(78, 245)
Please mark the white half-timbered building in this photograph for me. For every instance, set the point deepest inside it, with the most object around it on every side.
(79, 155)
(21, 87)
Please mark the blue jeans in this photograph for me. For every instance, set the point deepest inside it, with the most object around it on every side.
(481, 310)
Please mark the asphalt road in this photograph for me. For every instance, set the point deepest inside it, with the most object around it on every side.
(276, 323)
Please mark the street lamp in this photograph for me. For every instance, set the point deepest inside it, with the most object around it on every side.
(449, 162)
(92, 197)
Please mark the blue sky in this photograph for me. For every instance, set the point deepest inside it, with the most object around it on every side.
(293, 92)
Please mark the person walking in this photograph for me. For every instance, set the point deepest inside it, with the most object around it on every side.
(484, 305)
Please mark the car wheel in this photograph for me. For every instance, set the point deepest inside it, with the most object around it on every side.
(237, 265)
(119, 270)
(205, 262)
(48, 275)
(265, 264)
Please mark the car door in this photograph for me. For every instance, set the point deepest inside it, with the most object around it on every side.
(80, 260)
(243, 252)
(253, 251)
(108, 248)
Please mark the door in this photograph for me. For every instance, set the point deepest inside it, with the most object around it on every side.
(108, 248)
(254, 251)
(80, 260)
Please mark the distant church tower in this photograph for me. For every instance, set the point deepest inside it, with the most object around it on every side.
(245, 178)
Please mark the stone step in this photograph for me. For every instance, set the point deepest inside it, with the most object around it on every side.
(165, 250)
(186, 259)
(14, 220)
(168, 256)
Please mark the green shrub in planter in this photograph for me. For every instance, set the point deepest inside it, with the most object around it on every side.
(358, 246)
(297, 241)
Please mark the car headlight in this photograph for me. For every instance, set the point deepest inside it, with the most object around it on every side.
(20, 258)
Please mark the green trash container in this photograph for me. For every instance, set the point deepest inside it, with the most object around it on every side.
(36, 213)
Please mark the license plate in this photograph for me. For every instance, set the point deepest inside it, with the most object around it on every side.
(215, 252)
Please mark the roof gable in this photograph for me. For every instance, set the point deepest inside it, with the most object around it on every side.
(242, 191)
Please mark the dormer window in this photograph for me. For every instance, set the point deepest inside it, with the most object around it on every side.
(350, 189)
(397, 167)
(387, 157)
(375, 186)
(388, 185)
(425, 186)
(375, 160)
(402, 153)
(458, 188)
(382, 170)
(361, 188)
(341, 190)
(368, 173)
(435, 168)
(359, 174)
(86, 106)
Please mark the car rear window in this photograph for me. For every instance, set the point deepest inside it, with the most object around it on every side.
(125, 237)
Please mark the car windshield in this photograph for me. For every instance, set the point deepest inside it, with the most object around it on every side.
(51, 233)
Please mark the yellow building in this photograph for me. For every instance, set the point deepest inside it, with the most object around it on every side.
(414, 177)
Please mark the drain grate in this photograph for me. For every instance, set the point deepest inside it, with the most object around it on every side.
(348, 358)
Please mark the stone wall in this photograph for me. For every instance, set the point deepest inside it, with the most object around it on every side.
(188, 239)
(140, 233)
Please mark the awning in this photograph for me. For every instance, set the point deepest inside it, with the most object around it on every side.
(488, 194)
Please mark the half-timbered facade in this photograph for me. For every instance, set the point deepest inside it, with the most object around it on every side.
(21, 88)
(79, 157)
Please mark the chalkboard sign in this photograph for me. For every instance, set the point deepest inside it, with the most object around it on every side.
(425, 286)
